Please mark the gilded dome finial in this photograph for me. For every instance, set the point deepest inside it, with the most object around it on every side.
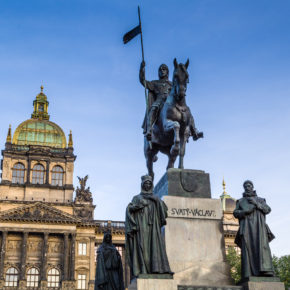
(8, 139)
(41, 88)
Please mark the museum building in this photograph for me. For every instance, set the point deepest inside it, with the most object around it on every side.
(48, 237)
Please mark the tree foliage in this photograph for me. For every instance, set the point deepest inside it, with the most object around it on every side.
(234, 259)
(282, 269)
(281, 266)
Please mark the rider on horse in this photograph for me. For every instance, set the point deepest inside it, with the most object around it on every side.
(158, 92)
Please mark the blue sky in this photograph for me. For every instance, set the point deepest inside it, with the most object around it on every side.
(239, 89)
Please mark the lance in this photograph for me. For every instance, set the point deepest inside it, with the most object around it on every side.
(127, 37)
(142, 49)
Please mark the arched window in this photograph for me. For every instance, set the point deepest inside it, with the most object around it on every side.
(38, 174)
(11, 278)
(53, 278)
(57, 175)
(32, 277)
(18, 173)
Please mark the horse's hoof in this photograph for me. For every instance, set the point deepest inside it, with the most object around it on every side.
(174, 151)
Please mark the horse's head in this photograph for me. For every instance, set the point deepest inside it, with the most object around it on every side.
(180, 79)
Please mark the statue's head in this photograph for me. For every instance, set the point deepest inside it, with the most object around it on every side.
(163, 71)
(107, 238)
(248, 186)
(147, 183)
(180, 79)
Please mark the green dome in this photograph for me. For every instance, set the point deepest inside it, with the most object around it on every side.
(39, 132)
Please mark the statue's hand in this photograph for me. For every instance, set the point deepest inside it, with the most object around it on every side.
(144, 202)
(249, 211)
(252, 201)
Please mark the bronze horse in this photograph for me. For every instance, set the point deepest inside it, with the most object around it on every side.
(174, 125)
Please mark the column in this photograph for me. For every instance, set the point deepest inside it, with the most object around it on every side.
(28, 171)
(44, 256)
(73, 253)
(92, 263)
(47, 172)
(2, 253)
(65, 257)
(23, 255)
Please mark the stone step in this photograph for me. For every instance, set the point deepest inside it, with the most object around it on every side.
(210, 287)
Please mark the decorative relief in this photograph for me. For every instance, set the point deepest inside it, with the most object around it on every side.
(34, 246)
(55, 247)
(13, 245)
(38, 212)
(6, 164)
(84, 213)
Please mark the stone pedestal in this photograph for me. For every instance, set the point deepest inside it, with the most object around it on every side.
(194, 233)
(153, 282)
(263, 283)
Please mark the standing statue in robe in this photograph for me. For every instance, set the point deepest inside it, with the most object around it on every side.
(145, 246)
(254, 235)
(109, 271)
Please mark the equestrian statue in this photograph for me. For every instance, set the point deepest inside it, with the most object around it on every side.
(168, 122)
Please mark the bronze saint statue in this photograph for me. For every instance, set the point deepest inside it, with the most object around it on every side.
(158, 92)
(254, 234)
(174, 124)
(109, 271)
(145, 247)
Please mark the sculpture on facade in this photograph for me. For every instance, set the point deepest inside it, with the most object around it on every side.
(174, 124)
(254, 235)
(145, 246)
(109, 271)
(83, 194)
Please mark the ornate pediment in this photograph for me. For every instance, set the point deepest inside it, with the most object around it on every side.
(38, 212)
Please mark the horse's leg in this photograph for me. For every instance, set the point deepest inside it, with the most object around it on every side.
(171, 159)
(183, 140)
(173, 125)
(150, 155)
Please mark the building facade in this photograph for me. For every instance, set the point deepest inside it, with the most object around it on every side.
(48, 238)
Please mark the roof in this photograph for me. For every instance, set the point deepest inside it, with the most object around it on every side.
(39, 132)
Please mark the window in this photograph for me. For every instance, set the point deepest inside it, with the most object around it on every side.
(57, 176)
(11, 279)
(38, 174)
(82, 249)
(81, 281)
(120, 250)
(18, 173)
(32, 277)
(53, 278)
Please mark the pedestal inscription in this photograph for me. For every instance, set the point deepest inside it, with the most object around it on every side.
(193, 208)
